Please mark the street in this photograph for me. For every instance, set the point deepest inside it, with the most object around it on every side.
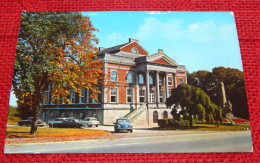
(146, 141)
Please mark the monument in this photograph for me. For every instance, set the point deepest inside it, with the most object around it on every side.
(224, 103)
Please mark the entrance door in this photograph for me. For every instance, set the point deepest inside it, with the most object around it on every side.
(155, 117)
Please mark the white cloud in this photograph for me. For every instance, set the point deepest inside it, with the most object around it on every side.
(175, 30)
(92, 13)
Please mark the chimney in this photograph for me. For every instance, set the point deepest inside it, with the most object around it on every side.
(160, 51)
(132, 40)
(101, 48)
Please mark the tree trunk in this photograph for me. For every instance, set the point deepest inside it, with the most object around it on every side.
(35, 120)
(190, 118)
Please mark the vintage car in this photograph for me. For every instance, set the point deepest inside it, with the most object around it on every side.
(123, 124)
(91, 121)
(56, 120)
(28, 122)
(69, 123)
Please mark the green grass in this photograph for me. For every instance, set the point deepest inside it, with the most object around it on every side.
(212, 127)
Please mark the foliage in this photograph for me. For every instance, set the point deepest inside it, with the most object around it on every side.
(193, 102)
(56, 49)
(13, 114)
(234, 87)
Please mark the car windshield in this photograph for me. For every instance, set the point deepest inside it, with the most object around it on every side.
(122, 121)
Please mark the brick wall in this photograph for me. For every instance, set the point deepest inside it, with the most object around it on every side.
(129, 47)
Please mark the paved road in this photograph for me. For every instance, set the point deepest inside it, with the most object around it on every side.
(239, 141)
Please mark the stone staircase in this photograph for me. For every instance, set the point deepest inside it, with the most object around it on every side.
(138, 116)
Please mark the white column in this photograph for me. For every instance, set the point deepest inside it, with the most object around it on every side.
(104, 91)
(166, 86)
(137, 87)
(147, 86)
(175, 81)
(157, 88)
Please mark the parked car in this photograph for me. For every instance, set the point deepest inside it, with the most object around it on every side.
(69, 123)
(56, 120)
(91, 121)
(123, 124)
(28, 122)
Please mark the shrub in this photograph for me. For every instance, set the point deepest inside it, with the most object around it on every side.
(164, 123)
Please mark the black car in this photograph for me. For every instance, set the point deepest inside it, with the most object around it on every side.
(28, 122)
(69, 123)
(123, 124)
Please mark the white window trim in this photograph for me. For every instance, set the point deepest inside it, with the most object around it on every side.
(135, 49)
(180, 78)
(140, 78)
(143, 95)
(170, 80)
(116, 96)
(71, 93)
(128, 73)
(82, 95)
(116, 75)
(132, 94)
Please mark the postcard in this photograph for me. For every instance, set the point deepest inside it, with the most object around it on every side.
(128, 82)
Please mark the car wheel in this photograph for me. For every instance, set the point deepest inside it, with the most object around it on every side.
(116, 130)
(96, 125)
(89, 125)
(50, 125)
(131, 130)
(19, 124)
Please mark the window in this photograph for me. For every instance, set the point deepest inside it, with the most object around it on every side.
(93, 99)
(150, 79)
(165, 114)
(180, 80)
(113, 76)
(72, 97)
(151, 100)
(161, 96)
(113, 95)
(160, 80)
(129, 77)
(142, 96)
(46, 98)
(169, 93)
(82, 96)
(129, 94)
(169, 80)
(141, 79)
(134, 50)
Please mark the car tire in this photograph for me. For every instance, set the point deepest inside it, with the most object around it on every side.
(19, 124)
(131, 131)
(50, 125)
(116, 130)
(96, 125)
(89, 125)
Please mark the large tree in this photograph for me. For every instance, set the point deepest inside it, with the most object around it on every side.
(234, 87)
(56, 49)
(194, 102)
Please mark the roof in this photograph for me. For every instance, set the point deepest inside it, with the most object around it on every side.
(112, 49)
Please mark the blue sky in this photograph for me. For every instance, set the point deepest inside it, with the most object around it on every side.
(198, 40)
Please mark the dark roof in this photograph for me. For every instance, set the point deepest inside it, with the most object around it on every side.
(112, 49)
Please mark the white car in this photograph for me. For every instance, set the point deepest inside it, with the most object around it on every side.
(91, 121)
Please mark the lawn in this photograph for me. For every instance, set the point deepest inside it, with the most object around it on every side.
(212, 127)
(20, 135)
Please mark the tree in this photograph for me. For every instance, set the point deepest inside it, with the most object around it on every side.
(193, 102)
(234, 87)
(56, 49)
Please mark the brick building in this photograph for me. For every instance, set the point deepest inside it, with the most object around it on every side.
(138, 87)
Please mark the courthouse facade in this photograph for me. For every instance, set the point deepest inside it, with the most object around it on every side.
(136, 86)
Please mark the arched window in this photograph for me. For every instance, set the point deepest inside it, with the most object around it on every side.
(141, 79)
(130, 77)
(134, 50)
(165, 114)
(155, 117)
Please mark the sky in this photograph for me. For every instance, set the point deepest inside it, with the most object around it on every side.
(198, 40)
